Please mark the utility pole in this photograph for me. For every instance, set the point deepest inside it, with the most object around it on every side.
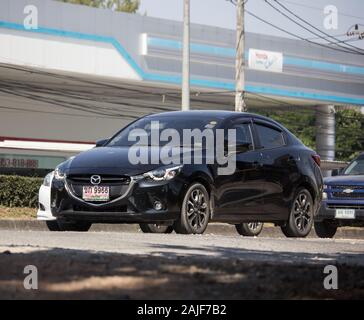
(240, 105)
(186, 57)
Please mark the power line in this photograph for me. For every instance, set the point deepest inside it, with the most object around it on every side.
(320, 9)
(356, 49)
(347, 50)
(297, 36)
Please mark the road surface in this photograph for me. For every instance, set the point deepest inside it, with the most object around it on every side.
(141, 266)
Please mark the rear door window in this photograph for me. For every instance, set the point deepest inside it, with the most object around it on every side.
(269, 137)
(243, 133)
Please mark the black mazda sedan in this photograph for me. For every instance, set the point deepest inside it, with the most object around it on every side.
(180, 170)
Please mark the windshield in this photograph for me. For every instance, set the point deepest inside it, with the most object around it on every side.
(141, 130)
(356, 167)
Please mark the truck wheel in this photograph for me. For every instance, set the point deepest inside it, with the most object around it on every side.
(250, 229)
(325, 229)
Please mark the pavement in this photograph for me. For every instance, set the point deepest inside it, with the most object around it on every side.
(213, 228)
(133, 265)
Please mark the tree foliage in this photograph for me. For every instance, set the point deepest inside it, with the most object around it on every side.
(130, 6)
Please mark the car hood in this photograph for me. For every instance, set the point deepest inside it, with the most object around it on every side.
(112, 160)
(345, 180)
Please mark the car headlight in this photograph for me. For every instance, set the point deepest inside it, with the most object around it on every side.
(47, 179)
(324, 196)
(59, 174)
(163, 174)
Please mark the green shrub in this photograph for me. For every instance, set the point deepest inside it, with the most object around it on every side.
(16, 191)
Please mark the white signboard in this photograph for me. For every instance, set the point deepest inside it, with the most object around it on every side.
(265, 60)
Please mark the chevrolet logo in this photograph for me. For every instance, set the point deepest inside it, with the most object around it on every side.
(348, 191)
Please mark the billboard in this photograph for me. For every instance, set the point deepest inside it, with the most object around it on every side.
(265, 60)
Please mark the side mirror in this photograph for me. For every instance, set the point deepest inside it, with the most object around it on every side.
(101, 142)
(336, 172)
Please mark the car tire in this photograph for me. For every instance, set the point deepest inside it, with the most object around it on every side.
(249, 229)
(325, 229)
(195, 211)
(301, 216)
(155, 228)
(53, 225)
(78, 226)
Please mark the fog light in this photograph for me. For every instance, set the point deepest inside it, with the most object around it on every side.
(158, 205)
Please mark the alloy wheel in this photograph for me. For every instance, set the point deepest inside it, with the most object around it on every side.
(254, 225)
(197, 209)
(302, 212)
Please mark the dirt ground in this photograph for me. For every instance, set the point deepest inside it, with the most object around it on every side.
(17, 213)
(76, 274)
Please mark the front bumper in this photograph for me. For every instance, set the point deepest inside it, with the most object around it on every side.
(44, 204)
(328, 209)
(134, 204)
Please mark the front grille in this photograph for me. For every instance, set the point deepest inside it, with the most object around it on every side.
(105, 179)
(346, 206)
(343, 195)
(118, 184)
(81, 208)
(343, 187)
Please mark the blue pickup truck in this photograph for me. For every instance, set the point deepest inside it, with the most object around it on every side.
(343, 199)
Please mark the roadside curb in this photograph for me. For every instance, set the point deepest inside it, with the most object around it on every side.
(213, 228)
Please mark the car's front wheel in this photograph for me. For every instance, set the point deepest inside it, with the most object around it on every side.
(300, 219)
(249, 229)
(53, 225)
(195, 211)
(325, 229)
(155, 228)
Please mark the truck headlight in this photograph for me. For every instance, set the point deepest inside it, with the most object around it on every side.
(163, 174)
(324, 196)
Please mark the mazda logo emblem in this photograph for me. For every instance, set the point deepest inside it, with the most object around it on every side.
(95, 180)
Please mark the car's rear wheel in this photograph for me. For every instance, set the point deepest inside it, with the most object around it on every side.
(249, 229)
(325, 229)
(195, 211)
(78, 226)
(300, 219)
(155, 228)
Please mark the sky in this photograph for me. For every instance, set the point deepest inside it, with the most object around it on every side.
(222, 13)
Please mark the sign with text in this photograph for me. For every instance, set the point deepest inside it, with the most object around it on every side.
(265, 60)
(29, 162)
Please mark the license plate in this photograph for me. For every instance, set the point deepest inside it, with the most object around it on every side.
(96, 193)
(345, 214)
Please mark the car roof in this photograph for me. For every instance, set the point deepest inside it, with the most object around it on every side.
(221, 114)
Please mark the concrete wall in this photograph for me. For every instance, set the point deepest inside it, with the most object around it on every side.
(108, 43)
